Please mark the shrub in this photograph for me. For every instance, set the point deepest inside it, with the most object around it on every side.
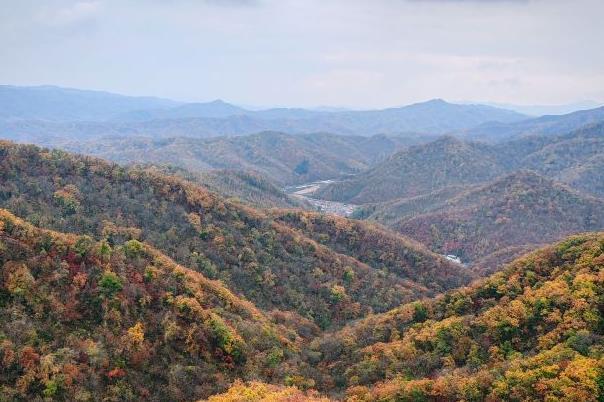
(110, 284)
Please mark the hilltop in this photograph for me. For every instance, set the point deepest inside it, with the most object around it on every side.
(572, 157)
(520, 209)
(417, 170)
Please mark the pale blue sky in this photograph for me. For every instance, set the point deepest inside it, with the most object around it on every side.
(310, 52)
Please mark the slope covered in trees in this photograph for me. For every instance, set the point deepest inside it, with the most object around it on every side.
(85, 320)
(377, 247)
(517, 210)
(532, 332)
(273, 264)
(236, 185)
(105, 312)
(573, 158)
(418, 170)
(283, 158)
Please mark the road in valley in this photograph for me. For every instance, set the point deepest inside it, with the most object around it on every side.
(305, 191)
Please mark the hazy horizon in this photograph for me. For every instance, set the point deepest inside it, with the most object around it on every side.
(354, 54)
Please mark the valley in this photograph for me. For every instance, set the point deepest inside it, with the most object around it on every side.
(306, 191)
(292, 266)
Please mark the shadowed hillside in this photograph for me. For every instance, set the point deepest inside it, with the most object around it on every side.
(518, 210)
(246, 186)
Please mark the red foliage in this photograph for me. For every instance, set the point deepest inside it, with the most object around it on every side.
(116, 373)
(29, 358)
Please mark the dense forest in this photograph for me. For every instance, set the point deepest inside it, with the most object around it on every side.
(247, 186)
(517, 210)
(191, 274)
(302, 201)
(485, 203)
(85, 320)
(572, 158)
(532, 332)
(283, 158)
(274, 264)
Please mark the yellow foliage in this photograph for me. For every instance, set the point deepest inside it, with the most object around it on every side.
(136, 334)
(261, 392)
(19, 279)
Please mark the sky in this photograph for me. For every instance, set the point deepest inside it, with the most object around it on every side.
(345, 53)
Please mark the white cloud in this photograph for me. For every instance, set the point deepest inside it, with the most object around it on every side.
(358, 53)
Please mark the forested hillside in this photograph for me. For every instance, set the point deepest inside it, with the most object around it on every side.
(493, 220)
(532, 332)
(273, 264)
(571, 157)
(248, 187)
(517, 210)
(417, 170)
(283, 158)
(88, 320)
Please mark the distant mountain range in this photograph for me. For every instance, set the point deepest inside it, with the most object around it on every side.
(542, 110)
(548, 125)
(50, 113)
(66, 104)
(537, 110)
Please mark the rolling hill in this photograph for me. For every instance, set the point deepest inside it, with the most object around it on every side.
(517, 210)
(284, 158)
(417, 170)
(544, 125)
(532, 332)
(84, 320)
(573, 158)
(235, 185)
(273, 264)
